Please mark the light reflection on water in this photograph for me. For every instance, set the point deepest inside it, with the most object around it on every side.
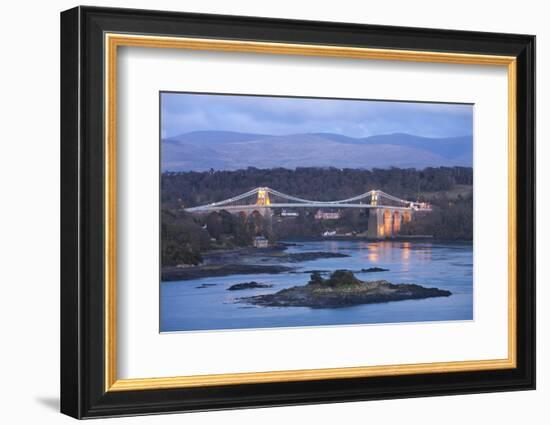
(433, 264)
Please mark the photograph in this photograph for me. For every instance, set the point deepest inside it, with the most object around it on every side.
(282, 212)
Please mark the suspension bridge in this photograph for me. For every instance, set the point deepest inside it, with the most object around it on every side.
(387, 212)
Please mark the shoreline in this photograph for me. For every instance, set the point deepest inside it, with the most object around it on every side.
(267, 260)
(170, 274)
(250, 260)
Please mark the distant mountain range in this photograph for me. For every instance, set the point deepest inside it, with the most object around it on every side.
(224, 150)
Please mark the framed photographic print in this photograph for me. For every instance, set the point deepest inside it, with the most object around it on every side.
(261, 212)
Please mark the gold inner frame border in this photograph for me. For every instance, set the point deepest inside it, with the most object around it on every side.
(113, 40)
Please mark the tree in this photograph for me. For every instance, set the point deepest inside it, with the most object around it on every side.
(315, 279)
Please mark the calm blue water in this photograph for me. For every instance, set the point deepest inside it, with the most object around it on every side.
(185, 307)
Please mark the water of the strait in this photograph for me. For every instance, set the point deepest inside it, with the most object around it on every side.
(206, 304)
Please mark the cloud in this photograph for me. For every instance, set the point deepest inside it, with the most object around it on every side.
(187, 112)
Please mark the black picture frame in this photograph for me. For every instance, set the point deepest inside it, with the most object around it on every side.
(83, 392)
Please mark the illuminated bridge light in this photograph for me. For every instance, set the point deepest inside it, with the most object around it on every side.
(374, 199)
(263, 197)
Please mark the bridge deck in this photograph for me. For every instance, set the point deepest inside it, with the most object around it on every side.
(300, 205)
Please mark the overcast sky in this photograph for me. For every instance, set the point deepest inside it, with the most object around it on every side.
(183, 113)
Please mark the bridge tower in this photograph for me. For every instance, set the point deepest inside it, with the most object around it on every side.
(263, 203)
(385, 221)
(375, 228)
(263, 197)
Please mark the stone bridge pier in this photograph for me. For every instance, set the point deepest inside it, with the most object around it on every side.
(265, 212)
(386, 222)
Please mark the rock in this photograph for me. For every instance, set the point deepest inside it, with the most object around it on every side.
(298, 257)
(340, 278)
(248, 285)
(374, 270)
(343, 289)
(205, 285)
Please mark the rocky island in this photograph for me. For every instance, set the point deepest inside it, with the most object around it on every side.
(374, 270)
(248, 285)
(342, 289)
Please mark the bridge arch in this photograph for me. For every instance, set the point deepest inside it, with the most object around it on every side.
(256, 223)
(387, 223)
(396, 222)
